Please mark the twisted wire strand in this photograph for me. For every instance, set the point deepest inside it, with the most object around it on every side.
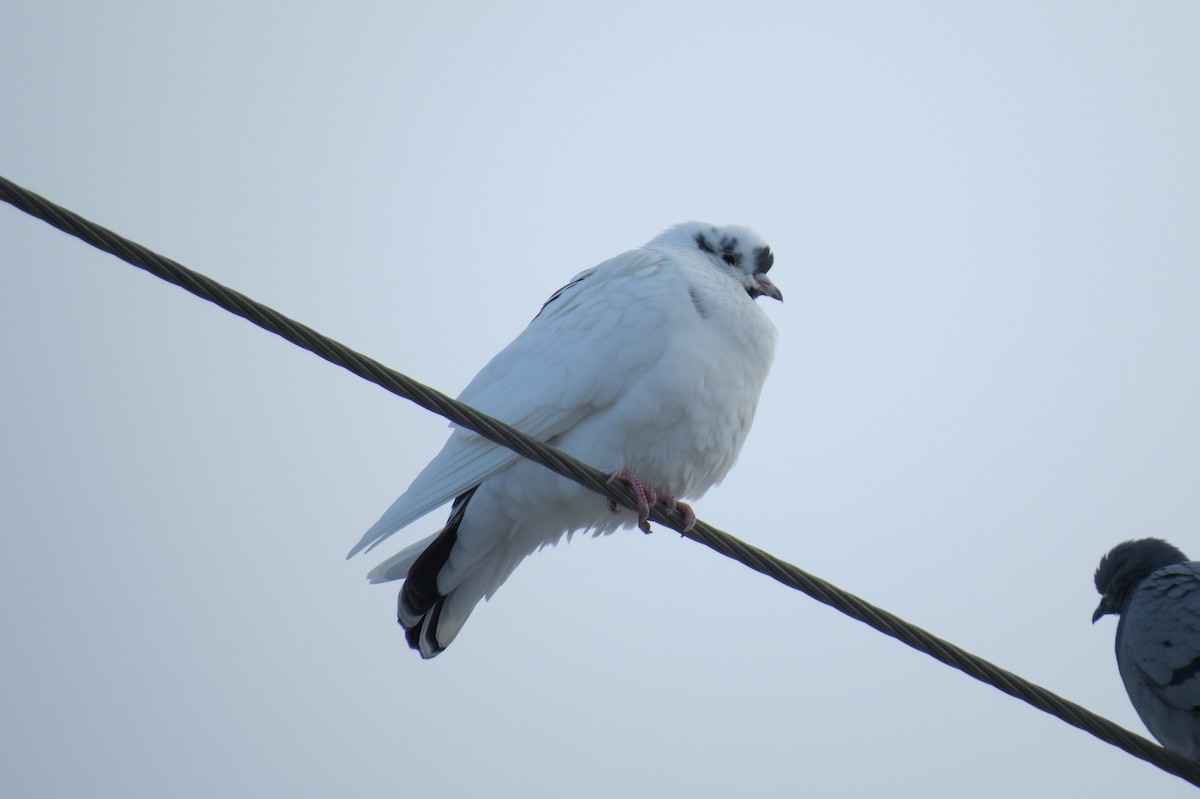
(562, 463)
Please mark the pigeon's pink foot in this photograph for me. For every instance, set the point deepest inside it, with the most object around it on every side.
(689, 515)
(646, 496)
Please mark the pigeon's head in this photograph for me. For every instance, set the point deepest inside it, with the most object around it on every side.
(1122, 569)
(733, 248)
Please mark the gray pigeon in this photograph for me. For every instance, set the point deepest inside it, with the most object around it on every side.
(1155, 590)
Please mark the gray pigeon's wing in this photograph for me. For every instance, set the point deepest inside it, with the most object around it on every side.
(1161, 634)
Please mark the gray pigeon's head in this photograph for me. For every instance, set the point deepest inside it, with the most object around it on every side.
(733, 248)
(1122, 569)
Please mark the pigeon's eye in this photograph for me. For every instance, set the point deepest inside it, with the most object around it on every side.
(730, 259)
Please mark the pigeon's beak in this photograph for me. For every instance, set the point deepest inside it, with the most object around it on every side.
(768, 288)
(1103, 609)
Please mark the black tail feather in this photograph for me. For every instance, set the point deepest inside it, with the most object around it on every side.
(419, 596)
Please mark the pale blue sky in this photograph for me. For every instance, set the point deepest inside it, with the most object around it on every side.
(985, 223)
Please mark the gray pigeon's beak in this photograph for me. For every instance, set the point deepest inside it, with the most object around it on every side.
(768, 288)
(1103, 609)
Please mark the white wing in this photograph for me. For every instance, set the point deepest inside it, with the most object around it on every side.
(579, 354)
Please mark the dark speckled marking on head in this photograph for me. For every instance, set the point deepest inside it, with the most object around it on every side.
(702, 243)
(764, 259)
(729, 253)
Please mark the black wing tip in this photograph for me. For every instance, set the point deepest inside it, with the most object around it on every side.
(419, 597)
(422, 636)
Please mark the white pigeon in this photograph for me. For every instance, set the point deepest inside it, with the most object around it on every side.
(1155, 590)
(648, 366)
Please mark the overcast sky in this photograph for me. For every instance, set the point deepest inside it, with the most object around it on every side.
(986, 220)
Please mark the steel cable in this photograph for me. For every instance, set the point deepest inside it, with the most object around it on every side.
(501, 433)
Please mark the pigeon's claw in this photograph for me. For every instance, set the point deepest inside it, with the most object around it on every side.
(685, 510)
(689, 515)
(646, 496)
